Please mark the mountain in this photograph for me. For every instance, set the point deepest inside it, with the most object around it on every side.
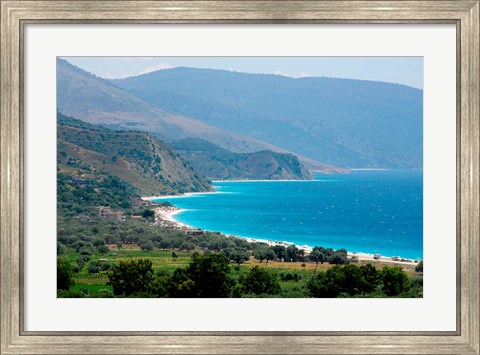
(142, 161)
(349, 123)
(95, 100)
(220, 164)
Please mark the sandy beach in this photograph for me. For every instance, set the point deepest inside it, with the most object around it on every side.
(164, 217)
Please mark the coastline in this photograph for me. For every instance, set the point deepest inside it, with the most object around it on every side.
(261, 180)
(164, 216)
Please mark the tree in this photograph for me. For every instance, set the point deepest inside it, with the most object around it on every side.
(209, 274)
(240, 256)
(187, 246)
(260, 252)
(259, 281)
(327, 284)
(280, 251)
(206, 276)
(370, 278)
(180, 285)
(394, 280)
(164, 244)
(270, 255)
(131, 277)
(338, 257)
(317, 255)
(292, 253)
(146, 246)
(349, 279)
(237, 255)
(64, 274)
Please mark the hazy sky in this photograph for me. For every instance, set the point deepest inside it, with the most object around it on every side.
(400, 70)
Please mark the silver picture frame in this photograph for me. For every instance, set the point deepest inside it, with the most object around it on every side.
(16, 14)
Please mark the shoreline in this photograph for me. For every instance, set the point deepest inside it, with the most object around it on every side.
(164, 216)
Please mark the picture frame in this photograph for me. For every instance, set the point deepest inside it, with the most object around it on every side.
(16, 14)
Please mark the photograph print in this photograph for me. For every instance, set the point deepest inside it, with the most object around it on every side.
(239, 177)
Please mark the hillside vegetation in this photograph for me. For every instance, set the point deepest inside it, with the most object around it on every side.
(143, 162)
(349, 123)
(220, 164)
(136, 259)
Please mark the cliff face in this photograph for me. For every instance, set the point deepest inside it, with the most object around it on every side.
(220, 164)
(144, 162)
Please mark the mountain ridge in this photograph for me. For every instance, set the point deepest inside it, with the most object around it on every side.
(217, 163)
(343, 122)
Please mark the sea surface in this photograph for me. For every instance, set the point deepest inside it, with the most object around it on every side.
(366, 211)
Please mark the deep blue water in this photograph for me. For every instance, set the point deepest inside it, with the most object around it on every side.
(366, 211)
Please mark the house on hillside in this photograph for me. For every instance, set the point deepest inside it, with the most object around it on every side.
(112, 246)
(196, 231)
(109, 214)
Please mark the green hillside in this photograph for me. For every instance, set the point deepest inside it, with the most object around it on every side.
(220, 164)
(145, 163)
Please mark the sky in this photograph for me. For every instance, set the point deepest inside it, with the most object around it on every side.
(400, 70)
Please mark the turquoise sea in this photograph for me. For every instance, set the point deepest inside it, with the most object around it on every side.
(366, 211)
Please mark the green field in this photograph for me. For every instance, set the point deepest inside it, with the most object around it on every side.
(292, 277)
